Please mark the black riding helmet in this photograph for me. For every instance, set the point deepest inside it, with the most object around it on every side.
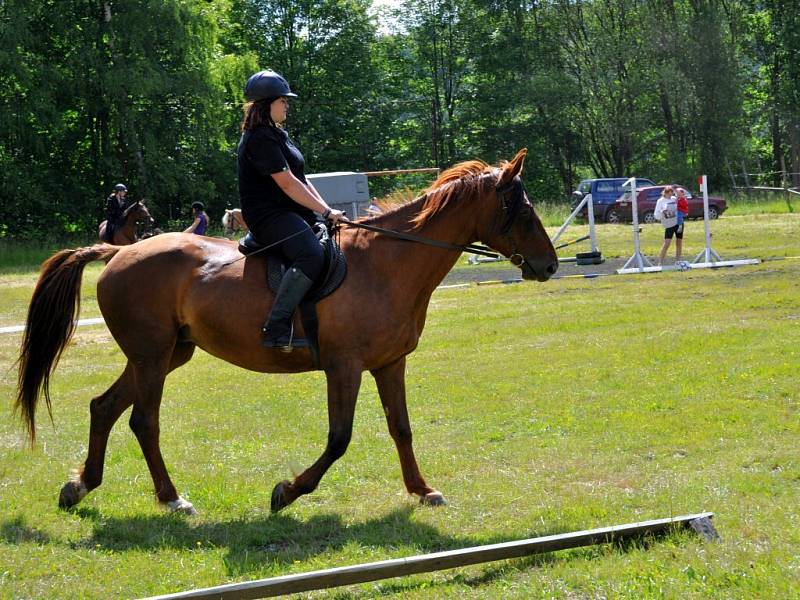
(267, 84)
(198, 205)
(120, 187)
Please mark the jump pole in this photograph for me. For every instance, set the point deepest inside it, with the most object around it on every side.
(708, 254)
(640, 259)
(339, 576)
(589, 203)
(708, 257)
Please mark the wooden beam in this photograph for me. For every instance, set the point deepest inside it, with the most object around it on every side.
(328, 578)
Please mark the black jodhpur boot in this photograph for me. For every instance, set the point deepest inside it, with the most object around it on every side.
(278, 330)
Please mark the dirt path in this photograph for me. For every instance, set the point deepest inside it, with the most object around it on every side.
(504, 271)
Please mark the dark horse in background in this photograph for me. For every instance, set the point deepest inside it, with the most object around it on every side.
(166, 295)
(126, 233)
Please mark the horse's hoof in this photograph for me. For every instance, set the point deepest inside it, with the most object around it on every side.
(433, 499)
(279, 500)
(73, 492)
(182, 506)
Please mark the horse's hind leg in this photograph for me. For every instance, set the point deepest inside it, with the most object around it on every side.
(144, 421)
(105, 410)
(392, 391)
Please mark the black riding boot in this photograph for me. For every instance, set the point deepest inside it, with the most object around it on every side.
(278, 330)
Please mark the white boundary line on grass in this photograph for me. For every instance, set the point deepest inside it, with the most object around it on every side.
(18, 328)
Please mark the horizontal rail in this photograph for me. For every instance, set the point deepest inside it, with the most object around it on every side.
(328, 578)
(400, 171)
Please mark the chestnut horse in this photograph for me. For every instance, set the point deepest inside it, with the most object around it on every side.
(126, 234)
(166, 295)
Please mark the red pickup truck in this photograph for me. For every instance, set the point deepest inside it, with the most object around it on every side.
(647, 197)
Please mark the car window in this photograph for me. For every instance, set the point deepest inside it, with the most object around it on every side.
(605, 186)
(585, 186)
(654, 194)
(644, 182)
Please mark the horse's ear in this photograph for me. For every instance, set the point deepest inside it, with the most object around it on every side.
(513, 168)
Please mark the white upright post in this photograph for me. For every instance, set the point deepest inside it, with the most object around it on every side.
(637, 256)
(590, 216)
(708, 255)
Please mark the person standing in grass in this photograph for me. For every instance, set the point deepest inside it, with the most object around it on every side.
(682, 205)
(666, 211)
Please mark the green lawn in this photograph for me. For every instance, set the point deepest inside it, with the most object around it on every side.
(537, 409)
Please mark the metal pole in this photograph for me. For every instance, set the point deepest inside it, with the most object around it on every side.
(328, 578)
(572, 216)
(637, 253)
(585, 201)
(590, 216)
(708, 254)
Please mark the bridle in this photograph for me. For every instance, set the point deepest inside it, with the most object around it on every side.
(512, 196)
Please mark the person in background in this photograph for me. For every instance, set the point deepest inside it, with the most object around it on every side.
(278, 202)
(682, 214)
(200, 223)
(666, 211)
(115, 208)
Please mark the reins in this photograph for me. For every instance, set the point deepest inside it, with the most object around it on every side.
(267, 247)
(510, 208)
(410, 237)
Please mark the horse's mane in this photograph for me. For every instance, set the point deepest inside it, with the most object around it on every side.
(464, 181)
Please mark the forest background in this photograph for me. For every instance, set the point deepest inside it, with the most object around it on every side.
(149, 92)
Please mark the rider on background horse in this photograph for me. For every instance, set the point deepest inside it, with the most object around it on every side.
(115, 208)
(278, 202)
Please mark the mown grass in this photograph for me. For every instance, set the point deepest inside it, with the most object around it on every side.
(537, 409)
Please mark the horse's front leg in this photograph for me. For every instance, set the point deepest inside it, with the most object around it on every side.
(391, 381)
(343, 385)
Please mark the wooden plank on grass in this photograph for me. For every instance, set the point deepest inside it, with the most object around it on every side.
(328, 578)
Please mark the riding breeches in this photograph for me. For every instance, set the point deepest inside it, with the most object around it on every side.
(295, 240)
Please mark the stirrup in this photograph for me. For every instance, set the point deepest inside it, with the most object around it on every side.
(284, 343)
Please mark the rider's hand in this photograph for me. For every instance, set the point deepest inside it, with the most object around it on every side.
(335, 216)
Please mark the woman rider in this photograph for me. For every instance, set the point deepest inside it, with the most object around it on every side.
(278, 203)
(115, 209)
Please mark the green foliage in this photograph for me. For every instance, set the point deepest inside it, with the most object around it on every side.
(149, 93)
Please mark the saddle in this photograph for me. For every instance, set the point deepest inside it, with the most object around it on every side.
(333, 273)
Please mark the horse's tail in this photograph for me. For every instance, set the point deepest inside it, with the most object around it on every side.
(51, 319)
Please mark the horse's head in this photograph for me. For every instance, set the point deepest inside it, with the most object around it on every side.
(139, 213)
(516, 230)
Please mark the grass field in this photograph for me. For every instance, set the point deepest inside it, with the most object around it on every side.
(537, 409)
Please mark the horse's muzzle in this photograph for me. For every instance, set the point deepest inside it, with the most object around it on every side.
(538, 269)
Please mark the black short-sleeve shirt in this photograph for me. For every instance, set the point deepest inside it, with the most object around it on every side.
(262, 152)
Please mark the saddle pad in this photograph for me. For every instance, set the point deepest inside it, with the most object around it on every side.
(333, 272)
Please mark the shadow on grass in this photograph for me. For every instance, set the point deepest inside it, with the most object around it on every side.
(282, 540)
(16, 531)
(274, 539)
